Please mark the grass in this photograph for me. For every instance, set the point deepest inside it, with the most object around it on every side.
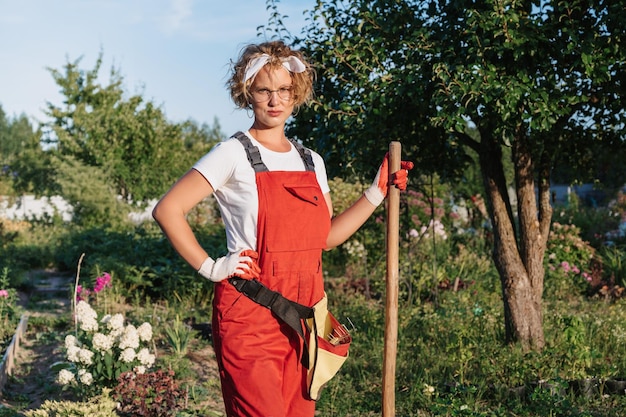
(451, 359)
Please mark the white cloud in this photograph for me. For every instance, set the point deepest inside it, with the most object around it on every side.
(179, 12)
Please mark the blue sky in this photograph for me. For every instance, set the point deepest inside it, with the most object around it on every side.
(173, 52)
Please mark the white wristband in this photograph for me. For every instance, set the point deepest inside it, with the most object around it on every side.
(374, 195)
(206, 269)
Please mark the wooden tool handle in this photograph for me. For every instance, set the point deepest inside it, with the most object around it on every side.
(391, 305)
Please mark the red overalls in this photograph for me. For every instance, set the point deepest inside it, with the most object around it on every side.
(259, 355)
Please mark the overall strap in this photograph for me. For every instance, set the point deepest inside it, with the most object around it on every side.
(305, 154)
(254, 156)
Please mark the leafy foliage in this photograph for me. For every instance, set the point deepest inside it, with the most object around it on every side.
(370, 87)
(89, 192)
(569, 260)
(126, 142)
(450, 78)
(98, 406)
(129, 139)
(14, 131)
(153, 394)
(9, 310)
(15, 135)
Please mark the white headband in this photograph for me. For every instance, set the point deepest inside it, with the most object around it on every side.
(292, 64)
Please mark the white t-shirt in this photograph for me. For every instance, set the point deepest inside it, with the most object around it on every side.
(228, 170)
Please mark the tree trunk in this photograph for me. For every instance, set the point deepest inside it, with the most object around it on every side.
(517, 253)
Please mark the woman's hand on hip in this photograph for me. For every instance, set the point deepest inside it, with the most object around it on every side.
(242, 264)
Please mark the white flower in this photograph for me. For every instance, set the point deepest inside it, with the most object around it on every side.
(89, 324)
(85, 356)
(72, 353)
(115, 322)
(70, 340)
(139, 370)
(130, 338)
(128, 355)
(85, 377)
(355, 249)
(85, 312)
(102, 342)
(437, 227)
(65, 377)
(145, 357)
(145, 332)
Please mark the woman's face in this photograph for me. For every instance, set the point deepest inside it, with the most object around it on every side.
(272, 98)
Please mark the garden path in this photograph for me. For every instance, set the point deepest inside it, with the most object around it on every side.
(32, 381)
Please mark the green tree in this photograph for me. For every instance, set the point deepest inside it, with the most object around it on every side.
(543, 80)
(15, 133)
(128, 139)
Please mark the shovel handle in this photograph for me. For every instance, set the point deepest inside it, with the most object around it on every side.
(391, 304)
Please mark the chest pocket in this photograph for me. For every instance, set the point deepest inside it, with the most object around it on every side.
(308, 193)
(298, 219)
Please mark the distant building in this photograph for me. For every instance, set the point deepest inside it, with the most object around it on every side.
(30, 207)
(586, 193)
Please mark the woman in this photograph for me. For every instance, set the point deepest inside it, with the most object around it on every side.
(275, 202)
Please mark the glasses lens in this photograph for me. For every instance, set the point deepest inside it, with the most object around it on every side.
(265, 94)
(285, 93)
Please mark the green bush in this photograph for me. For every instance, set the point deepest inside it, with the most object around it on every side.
(614, 265)
(568, 260)
(98, 406)
(594, 223)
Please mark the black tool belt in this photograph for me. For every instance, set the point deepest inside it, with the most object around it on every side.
(288, 311)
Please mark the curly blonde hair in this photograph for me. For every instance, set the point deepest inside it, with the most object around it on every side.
(277, 50)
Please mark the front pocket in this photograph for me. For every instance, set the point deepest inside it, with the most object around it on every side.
(309, 193)
(226, 297)
(298, 219)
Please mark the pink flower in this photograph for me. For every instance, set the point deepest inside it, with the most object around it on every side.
(4, 293)
(81, 293)
(565, 266)
(102, 282)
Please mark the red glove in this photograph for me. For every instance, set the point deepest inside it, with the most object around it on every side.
(377, 192)
(242, 264)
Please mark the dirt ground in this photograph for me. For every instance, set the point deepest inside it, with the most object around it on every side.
(32, 381)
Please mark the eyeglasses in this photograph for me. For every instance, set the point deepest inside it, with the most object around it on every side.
(264, 94)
